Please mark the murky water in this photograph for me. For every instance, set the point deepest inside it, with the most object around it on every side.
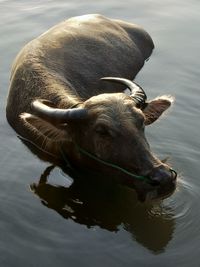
(54, 224)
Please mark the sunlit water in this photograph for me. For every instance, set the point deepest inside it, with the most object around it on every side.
(55, 224)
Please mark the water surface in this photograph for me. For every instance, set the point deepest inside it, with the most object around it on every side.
(56, 224)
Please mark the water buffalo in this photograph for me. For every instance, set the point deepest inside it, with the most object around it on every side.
(59, 103)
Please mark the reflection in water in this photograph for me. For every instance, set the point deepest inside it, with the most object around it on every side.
(93, 203)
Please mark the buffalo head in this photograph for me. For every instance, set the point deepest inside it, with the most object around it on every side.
(110, 128)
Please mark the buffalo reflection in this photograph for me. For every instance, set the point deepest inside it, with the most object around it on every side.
(93, 203)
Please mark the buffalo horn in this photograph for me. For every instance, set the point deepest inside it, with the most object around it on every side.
(137, 93)
(56, 115)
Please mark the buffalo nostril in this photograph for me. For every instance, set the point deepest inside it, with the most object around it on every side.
(173, 174)
(155, 181)
(162, 177)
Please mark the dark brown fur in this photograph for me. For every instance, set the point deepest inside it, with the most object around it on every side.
(63, 67)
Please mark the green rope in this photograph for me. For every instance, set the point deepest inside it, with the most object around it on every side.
(139, 177)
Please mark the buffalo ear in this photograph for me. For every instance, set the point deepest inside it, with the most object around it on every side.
(43, 128)
(156, 107)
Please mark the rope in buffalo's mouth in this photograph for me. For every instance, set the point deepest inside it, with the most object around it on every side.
(92, 156)
(114, 166)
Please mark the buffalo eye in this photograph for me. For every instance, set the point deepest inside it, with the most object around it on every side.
(103, 130)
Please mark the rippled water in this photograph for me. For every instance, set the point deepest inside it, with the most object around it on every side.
(55, 224)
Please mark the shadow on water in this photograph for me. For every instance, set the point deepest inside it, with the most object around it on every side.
(93, 203)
